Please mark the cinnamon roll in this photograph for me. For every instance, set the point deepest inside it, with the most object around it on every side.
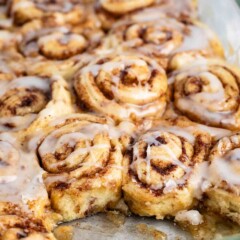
(162, 37)
(82, 155)
(57, 43)
(162, 169)
(69, 12)
(56, 49)
(124, 6)
(28, 102)
(208, 92)
(24, 204)
(223, 195)
(123, 87)
(18, 225)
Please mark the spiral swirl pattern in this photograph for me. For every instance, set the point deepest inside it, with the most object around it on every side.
(123, 87)
(209, 93)
(223, 193)
(162, 37)
(21, 99)
(224, 159)
(70, 12)
(83, 157)
(53, 44)
(162, 164)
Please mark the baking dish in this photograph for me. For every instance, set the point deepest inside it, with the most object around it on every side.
(223, 17)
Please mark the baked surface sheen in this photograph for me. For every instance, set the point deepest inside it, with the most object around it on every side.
(115, 105)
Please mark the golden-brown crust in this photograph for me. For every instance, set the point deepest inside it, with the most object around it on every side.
(222, 196)
(71, 12)
(39, 40)
(122, 52)
(84, 168)
(160, 166)
(123, 87)
(26, 100)
(207, 92)
(17, 224)
(163, 39)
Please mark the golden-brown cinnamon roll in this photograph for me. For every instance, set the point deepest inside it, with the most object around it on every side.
(57, 43)
(223, 195)
(208, 92)
(124, 6)
(82, 155)
(14, 224)
(56, 49)
(163, 37)
(123, 86)
(69, 12)
(162, 169)
(28, 102)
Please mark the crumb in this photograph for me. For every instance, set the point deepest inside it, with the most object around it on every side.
(123, 208)
(213, 225)
(116, 217)
(150, 231)
(64, 233)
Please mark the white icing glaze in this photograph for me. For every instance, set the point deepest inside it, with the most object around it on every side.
(226, 168)
(18, 122)
(213, 93)
(51, 143)
(168, 156)
(218, 117)
(216, 133)
(9, 162)
(192, 216)
(26, 185)
(186, 133)
(199, 180)
(29, 82)
(197, 39)
(211, 103)
(145, 102)
(185, 37)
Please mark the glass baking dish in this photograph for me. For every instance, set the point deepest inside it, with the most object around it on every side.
(223, 16)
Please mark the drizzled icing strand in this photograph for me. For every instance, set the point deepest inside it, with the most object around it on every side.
(134, 86)
(29, 82)
(163, 39)
(79, 144)
(224, 169)
(161, 154)
(21, 175)
(209, 93)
